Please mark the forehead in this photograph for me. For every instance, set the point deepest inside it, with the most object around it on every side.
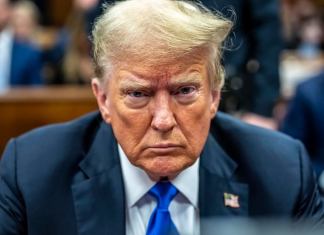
(160, 74)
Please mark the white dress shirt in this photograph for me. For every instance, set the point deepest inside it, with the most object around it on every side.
(6, 41)
(140, 205)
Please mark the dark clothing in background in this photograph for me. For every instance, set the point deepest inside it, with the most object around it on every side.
(305, 118)
(70, 182)
(93, 13)
(252, 63)
(26, 65)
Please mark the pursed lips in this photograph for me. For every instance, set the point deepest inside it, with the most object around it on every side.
(164, 147)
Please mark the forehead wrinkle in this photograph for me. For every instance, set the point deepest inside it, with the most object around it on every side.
(156, 70)
(132, 78)
(159, 78)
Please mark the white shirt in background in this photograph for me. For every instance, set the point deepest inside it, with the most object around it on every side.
(6, 42)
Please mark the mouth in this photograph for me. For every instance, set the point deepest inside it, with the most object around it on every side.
(164, 148)
(165, 145)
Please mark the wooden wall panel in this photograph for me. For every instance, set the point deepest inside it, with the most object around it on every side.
(22, 109)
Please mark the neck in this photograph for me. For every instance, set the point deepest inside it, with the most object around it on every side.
(157, 178)
(164, 178)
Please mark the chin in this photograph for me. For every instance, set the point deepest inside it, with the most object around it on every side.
(162, 167)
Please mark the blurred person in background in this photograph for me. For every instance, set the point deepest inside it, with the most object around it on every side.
(310, 37)
(20, 62)
(303, 73)
(305, 119)
(294, 14)
(25, 21)
(77, 63)
(303, 27)
(71, 54)
(303, 56)
(252, 63)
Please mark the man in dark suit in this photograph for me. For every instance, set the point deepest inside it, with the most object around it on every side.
(305, 119)
(149, 162)
(20, 63)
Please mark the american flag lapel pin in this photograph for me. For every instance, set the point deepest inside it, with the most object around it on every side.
(231, 200)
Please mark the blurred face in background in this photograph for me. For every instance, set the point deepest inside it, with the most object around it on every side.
(4, 13)
(24, 21)
(160, 115)
(312, 31)
(85, 5)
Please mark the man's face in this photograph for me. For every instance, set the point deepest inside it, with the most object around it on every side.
(23, 23)
(160, 116)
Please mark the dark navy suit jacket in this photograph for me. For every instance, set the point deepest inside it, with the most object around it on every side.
(26, 65)
(305, 118)
(66, 179)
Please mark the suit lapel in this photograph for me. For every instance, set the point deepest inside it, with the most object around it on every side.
(216, 177)
(99, 195)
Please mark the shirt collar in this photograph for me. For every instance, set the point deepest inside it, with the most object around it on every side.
(187, 183)
(138, 183)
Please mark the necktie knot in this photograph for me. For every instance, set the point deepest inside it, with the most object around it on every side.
(164, 192)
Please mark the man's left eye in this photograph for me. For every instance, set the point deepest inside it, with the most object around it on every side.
(186, 90)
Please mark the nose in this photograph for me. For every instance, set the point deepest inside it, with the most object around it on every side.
(163, 117)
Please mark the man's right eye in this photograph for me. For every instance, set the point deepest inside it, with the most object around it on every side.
(137, 98)
(137, 94)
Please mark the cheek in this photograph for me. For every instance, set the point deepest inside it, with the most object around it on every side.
(196, 136)
(129, 120)
(197, 114)
(194, 123)
(129, 126)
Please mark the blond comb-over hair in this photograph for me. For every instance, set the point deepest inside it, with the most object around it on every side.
(158, 32)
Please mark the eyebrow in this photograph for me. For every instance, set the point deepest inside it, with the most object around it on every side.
(132, 81)
(193, 77)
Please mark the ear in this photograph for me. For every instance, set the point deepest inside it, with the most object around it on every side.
(215, 98)
(99, 91)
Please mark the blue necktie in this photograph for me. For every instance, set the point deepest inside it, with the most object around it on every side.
(160, 222)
